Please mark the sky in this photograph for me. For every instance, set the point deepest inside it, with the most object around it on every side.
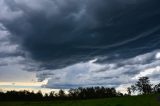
(63, 44)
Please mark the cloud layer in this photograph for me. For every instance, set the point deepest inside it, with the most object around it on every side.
(62, 38)
(113, 74)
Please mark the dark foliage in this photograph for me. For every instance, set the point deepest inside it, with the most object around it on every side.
(20, 95)
(92, 92)
(143, 86)
(79, 93)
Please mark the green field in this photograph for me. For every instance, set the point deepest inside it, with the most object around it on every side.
(148, 100)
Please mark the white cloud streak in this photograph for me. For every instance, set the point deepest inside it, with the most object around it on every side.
(124, 72)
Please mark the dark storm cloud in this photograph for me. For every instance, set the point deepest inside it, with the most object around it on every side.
(60, 33)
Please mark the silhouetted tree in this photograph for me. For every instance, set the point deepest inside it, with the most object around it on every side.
(133, 88)
(156, 88)
(73, 93)
(46, 96)
(78, 93)
(92, 92)
(52, 94)
(61, 94)
(143, 85)
(129, 90)
(39, 95)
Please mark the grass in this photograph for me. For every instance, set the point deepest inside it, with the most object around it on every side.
(147, 100)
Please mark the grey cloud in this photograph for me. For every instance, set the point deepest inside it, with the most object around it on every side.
(59, 38)
(44, 75)
(87, 74)
(60, 33)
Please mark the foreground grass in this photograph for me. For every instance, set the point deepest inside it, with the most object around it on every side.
(148, 100)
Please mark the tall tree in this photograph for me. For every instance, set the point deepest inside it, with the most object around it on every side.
(129, 90)
(133, 88)
(144, 86)
(61, 93)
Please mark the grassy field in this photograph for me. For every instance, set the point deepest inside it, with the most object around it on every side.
(149, 100)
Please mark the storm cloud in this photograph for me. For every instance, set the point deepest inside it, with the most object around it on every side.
(59, 34)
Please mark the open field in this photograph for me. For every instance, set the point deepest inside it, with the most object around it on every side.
(148, 100)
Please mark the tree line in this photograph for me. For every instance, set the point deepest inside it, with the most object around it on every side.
(77, 93)
(142, 86)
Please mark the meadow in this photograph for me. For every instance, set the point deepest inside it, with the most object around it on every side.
(143, 100)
